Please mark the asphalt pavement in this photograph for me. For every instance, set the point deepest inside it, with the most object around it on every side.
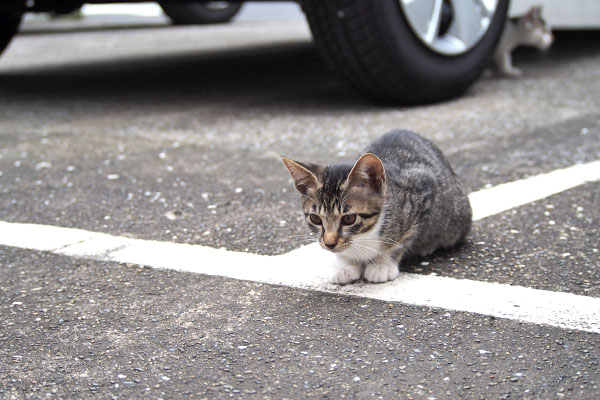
(174, 134)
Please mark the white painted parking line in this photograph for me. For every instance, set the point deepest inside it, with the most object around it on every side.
(307, 267)
(503, 197)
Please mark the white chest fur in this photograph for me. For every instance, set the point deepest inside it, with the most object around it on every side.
(364, 247)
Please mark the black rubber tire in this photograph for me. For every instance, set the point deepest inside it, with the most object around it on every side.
(193, 13)
(9, 25)
(370, 44)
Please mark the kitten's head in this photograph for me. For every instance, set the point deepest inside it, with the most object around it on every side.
(537, 31)
(340, 201)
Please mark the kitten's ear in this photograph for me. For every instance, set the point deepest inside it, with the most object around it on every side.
(368, 172)
(533, 15)
(304, 179)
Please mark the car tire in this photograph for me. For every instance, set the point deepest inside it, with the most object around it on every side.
(9, 25)
(192, 13)
(371, 44)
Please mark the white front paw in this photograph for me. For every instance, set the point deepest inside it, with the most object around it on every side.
(344, 273)
(379, 273)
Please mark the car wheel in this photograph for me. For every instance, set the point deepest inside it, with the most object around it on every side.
(407, 51)
(9, 25)
(211, 12)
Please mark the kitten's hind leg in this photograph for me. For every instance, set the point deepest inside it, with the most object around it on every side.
(506, 67)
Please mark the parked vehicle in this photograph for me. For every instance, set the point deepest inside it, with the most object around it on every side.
(402, 51)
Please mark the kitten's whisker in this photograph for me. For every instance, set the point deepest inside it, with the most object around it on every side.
(360, 256)
(305, 241)
(360, 252)
(378, 253)
(303, 236)
(365, 252)
(378, 240)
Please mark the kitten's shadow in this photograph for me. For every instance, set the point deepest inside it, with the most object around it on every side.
(440, 259)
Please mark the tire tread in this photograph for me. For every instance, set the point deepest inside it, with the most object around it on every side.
(355, 47)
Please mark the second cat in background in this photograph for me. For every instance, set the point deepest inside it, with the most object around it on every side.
(527, 30)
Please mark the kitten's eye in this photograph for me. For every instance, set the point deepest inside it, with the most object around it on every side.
(315, 219)
(349, 219)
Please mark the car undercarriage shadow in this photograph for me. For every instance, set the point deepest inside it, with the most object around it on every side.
(279, 77)
(288, 76)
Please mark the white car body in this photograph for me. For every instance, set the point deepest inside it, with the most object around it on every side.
(562, 14)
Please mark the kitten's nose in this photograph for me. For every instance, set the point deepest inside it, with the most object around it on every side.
(330, 239)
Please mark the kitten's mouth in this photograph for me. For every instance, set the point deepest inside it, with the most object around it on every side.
(337, 249)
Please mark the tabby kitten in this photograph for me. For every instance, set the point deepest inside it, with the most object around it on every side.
(400, 198)
(528, 30)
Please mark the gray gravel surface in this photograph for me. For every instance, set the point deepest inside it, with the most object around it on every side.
(76, 328)
(551, 244)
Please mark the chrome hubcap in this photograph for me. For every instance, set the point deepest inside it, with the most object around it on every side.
(449, 27)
